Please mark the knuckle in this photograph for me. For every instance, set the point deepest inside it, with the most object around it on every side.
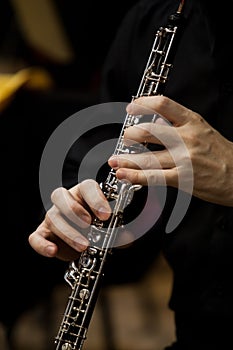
(162, 101)
(135, 177)
(56, 193)
(197, 117)
(151, 178)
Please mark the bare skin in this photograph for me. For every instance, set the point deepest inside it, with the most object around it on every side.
(211, 157)
(210, 153)
(55, 237)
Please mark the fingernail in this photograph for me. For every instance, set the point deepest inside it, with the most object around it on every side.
(129, 108)
(104, 213)
(50, 251)
(113, 161)
(86, 219)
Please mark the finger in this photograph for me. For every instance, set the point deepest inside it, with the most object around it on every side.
(94, 197)
(167, 177)
(39, 241)
(154, 133)
(171, 110)
(43, 245)
(61, 228)
(69, 206)
(148, 160)
(162, 121)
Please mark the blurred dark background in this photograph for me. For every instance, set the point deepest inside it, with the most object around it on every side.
(51, 58)
(29, 33)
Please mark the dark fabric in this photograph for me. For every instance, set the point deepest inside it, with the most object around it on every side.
(200, 249)
(205, 331)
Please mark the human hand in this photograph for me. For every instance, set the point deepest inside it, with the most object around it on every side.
(59, 235)
(210, 153)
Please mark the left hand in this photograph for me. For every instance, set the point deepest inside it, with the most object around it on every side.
(60, 233)
(188, 138)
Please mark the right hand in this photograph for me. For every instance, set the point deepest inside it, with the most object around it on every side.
(59, 234)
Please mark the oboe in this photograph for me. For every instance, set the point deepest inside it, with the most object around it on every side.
(84, 276)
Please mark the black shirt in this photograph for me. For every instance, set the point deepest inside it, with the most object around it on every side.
(200, 249)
